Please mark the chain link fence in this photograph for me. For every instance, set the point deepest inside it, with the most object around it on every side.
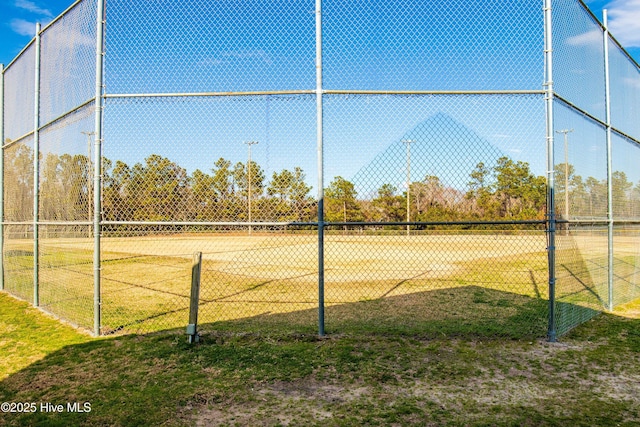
(596, 125)
(390, 167)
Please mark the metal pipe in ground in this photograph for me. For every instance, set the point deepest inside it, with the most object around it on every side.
(192, 327)
(320, 151)
(551, 217)
(97, 169)
(36, 172)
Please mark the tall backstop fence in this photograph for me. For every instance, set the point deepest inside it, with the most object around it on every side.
(442, 167)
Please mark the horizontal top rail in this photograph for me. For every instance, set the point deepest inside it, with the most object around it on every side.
(325, 91)
(205, 94)
(432, 92)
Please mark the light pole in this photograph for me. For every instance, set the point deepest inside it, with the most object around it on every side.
(249, 144)
(408, 142)
(90, 174)
(566, 175)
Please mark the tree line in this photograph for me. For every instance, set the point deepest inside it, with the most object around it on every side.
(161, 190)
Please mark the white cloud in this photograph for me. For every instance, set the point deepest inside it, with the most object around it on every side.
(590, 38)
(632, 82)
(33, 8)
(624, 21)
(22, 27)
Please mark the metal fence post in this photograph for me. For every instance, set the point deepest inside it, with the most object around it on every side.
(320, 150)
(551, 215)
(36, 171)
(97, 170)
(192, 327)
(1, 177)
(609, 162)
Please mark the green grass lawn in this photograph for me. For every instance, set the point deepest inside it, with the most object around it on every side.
(235, 377)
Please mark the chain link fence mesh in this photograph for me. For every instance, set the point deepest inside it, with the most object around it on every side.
(434, 168)
(578, 60)
(66, 169)
(626, 264)
(19, 95)
(440, 282)
(18, 261)
(216, 137)
(435, 45)
(580, 166)
(68, 61)
(218, 46)
(267, 281)
(151, 267)
(451, 148)
(626, 207)
(581, 274)
(625, 91)
(18, 181)
(65, 256)
(588, 278)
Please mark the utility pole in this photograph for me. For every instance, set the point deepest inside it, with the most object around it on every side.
(566, 176)
(249, 144)
(90, 175)
(408, 142)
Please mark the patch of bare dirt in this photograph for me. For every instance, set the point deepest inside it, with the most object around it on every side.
(282, 402)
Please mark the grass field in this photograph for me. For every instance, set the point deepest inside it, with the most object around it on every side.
(453, 281)
(236, 378)
(412, 323)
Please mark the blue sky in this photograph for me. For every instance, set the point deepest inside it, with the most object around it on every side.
(373, 124)
(19, 18)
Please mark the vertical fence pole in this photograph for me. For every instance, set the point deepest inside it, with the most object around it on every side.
(97, 170)
(551, 215)
(1, 177)
(609, 162)
(36, 172)
(320, 150)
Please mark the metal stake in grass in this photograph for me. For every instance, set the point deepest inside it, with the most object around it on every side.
(192, 327)
(249, 143)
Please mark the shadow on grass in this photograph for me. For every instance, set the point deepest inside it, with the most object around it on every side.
(133, 380)
(469, 311)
